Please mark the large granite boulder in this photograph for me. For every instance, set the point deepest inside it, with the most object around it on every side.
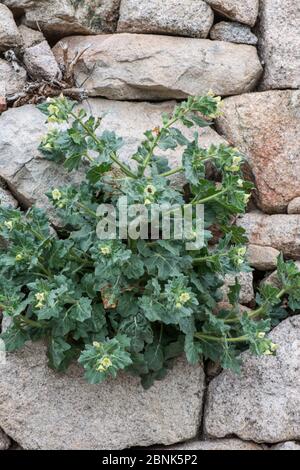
(266, 127)
(263, 403)
(279, 43)
(65, 17)
(139, 66)
(41, 409)
(9, 34)
(185, 18)
(279, 231)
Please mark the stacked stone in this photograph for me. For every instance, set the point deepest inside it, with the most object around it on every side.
(137, 52)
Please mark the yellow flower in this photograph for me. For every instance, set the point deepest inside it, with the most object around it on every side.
(56, 194)
(268, 353)
(178, 305)
(53, 119)
(48, 146)
(8, 224)
(53, 109)
(150, 189)
(19, 257)
(103, 364)
(40, 296)
(233, 168)
(236, 160)
(274, 347)
(241, 251)
(105, 250)
(246, 198)
(261, 335)
(106, 362)
(184, 297)
(147, 202)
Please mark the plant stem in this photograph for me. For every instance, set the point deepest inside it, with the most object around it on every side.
(179, 169)
(240, 339)
(45, 271)
(157, 139)
(113, 155)
(31, 322)
(209, 198)
(87, 209)
(208, 258)
(258, 311)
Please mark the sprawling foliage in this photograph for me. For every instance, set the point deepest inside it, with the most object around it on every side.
(134, 304)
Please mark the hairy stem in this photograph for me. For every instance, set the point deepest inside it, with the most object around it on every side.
(113, 155)
(240, 339)
(258, 311)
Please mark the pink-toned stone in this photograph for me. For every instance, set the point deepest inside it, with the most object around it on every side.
(280, 231)
(244, 11)
(266, 127)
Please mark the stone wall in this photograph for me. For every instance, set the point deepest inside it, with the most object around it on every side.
(133, 59)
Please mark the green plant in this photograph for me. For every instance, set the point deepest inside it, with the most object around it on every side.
(134, 304)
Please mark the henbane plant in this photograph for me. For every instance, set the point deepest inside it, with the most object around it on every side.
(135, 305)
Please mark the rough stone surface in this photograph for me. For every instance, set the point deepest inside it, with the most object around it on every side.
(287, 446)
(6, 199)
(263, 403)
(139, 66)
(11, 81)
(30, 37)
(4, 441)
(266, 127)
(244, 11)
(294, 206)
(279, 43)
(40, 62)
(131, 120)
(186, 18)
(233, 32)
(280, 231)
(218, 444)
(246, 281)
(76, 415)
(64, 17)
(26, 172)
(9, 34)
(29, 175)
(263, 258)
